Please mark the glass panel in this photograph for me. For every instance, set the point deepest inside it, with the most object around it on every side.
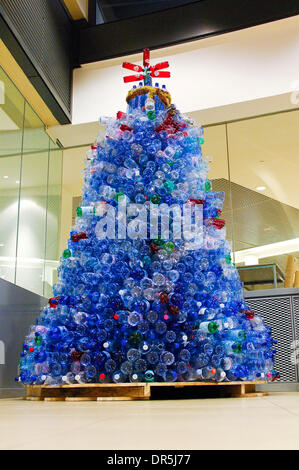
(33, 204)
(72, 183)
(11, 128)
(53, 219)
(264, 159)
(215, 149)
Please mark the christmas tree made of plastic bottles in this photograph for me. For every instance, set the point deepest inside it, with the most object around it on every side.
(142, 309)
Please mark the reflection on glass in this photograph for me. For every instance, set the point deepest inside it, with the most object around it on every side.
(264, 159)
(11, 128)
(215, 150)
(33, 204)
(30, 186)
(53, 219)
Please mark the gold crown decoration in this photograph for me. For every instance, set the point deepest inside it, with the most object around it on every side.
(164, 96)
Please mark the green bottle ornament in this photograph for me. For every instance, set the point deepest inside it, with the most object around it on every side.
(156, 199)
(237, 348)
(213, 327)
(149, 376)
(208, 185)
(151, 115)
(38, 340)
(66, 253)
(169, 186)
(228, 259)
(118, 195)
(158, 241)
(169, 247)
(79, 211)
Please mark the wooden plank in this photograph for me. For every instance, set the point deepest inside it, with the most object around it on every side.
(249, 388)
(147, 391)
(54, 399)
(131, 391)
(34, 390)
(198, 384)
(80, 398)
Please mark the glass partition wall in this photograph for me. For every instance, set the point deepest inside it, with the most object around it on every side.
(30, 190)
(256, 163)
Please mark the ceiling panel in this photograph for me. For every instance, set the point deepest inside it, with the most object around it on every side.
(113, 10)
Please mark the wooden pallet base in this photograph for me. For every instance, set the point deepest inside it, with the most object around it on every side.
(139, 391)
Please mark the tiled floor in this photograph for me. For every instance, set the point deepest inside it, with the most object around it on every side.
(248, 423)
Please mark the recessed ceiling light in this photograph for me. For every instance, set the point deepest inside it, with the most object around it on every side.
(260, 188)
(265, 251)
(5, 177)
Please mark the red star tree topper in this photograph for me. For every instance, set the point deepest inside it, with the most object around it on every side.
(146, 72)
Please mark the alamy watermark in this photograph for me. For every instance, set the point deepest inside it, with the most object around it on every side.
(150, 221)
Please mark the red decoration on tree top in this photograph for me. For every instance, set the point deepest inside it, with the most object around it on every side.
(147, 71)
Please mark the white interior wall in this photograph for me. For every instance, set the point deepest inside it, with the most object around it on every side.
(251, 64)
(73, 166)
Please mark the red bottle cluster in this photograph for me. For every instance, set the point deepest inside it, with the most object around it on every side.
(79, 236)
(218, 223)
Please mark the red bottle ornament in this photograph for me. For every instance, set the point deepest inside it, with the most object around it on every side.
(76, 355)
(164, 299)
(53, 302)
(121, 115)
(218, 223)
(249, 314)
(174, 309)
(124, 127)
(196, 201)
(79, 236)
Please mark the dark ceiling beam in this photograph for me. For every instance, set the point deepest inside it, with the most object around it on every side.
(177, 25)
